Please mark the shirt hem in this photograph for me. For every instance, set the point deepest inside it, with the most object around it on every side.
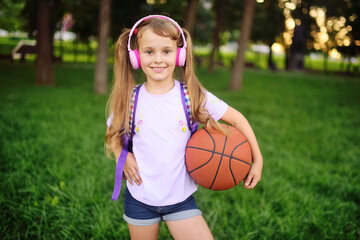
(162, 204)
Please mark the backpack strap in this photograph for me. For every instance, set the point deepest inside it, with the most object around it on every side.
(134, 100)
(127, 145)
(185, 98)
(127, 137)
(118, 174)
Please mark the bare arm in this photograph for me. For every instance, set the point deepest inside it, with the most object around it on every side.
(131, 169)
(238, 121)
(115, 146)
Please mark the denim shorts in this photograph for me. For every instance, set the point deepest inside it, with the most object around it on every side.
(140, 214)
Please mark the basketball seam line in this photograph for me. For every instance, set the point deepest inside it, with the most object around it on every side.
(217, 171)
(213, 152)
(232, 174)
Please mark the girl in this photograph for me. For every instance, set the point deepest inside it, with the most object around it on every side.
(158, 186)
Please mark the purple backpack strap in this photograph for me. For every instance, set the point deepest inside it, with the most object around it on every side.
(192, 124)
(127, 145)
(118, 174)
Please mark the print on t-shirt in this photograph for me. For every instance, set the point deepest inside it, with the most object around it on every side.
(182, 124)
(139, 123)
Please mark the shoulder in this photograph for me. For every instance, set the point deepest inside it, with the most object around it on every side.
(215, 106)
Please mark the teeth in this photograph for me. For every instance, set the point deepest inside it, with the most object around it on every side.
(158, 69)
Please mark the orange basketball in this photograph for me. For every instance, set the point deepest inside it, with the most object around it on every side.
(217, 161)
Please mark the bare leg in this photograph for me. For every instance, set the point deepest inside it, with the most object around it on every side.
(144, 232)
(191, 228)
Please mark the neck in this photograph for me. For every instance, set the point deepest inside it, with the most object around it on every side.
(159, 87)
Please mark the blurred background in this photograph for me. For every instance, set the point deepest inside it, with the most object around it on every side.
(315, 35)
(290, 66)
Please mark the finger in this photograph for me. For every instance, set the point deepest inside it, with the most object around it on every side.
(253, 183)
(135, 176)
(128, 177)
(248, 180)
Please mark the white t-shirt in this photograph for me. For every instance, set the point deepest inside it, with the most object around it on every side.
(159, 142)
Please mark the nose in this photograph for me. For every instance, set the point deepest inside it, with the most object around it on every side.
(158, 58)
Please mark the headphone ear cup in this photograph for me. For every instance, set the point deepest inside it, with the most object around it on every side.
(181, 57)
(135, 59)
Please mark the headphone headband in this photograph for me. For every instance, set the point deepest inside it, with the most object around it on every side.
(154, 16)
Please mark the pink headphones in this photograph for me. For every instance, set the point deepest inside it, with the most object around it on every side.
(134, 54)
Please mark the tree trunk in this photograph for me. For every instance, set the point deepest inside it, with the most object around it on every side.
(101, 68)
(298, 48)
(239, 64)
(190, 15)
(219, 11)
(44, 68)
(271, 64)
(287, 59)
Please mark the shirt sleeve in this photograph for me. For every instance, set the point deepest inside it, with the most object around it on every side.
(215, 106)
(109, 120)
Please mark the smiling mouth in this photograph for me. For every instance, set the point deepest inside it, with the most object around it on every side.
(158, 69)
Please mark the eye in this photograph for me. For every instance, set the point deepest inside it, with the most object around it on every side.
(167, 51)
(149, 52)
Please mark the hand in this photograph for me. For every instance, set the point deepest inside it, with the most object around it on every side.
(254, 175)
(131, 170)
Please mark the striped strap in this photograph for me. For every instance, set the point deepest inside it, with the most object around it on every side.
(132, 105)
(187, 103)
(192, 124)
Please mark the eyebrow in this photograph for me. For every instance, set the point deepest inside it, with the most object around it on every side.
(153, 47)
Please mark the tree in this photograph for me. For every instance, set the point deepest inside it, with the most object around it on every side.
(323, 23)
(101, 67)
(346, 39)
(239, 64)
(203, 29)
(190, 15)
(125, 14)
(219, 7)
(10, 18)
(84, 12)
(266, 31)
(30, 14)
(298, 48)
(44, 68)
(295, 52)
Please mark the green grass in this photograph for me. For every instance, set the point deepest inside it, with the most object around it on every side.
(57, 182)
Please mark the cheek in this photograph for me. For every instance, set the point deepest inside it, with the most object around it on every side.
(144, 59)
(172, 59)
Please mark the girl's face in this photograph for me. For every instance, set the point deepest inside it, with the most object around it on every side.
(157, 56)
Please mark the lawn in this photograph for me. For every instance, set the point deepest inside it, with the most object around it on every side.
(57, 181)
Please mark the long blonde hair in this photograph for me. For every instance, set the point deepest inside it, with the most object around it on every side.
(124, 80)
